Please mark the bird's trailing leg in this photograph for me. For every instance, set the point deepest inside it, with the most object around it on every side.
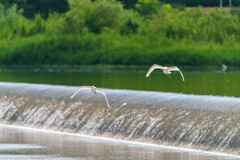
(169, 76)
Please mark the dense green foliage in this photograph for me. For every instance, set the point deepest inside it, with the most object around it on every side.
(188, 3)
(103, 32)
(208, 3)
(43, 7)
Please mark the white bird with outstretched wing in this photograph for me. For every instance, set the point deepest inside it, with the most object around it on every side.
(155, 66)
(166, 70)
(94, 90)
(81, 88)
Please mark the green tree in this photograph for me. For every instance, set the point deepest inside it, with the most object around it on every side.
(94, 15)
(43, 7)
(147, 7)
(9, 3)
(128, 3)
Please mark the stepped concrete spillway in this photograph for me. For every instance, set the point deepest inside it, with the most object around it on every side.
(210, 123)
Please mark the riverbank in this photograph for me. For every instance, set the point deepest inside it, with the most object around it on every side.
(90, 49)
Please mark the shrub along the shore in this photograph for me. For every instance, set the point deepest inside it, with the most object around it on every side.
(103, 32)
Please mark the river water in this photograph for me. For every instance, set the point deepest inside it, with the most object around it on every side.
(203, 83)
(196, 118)
(25, 143)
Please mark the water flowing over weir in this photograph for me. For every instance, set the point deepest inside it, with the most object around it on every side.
(209, 123)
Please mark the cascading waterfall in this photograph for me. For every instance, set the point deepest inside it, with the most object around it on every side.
(209, 123)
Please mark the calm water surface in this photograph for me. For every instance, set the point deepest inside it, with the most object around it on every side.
(206, 83)
(17, 143)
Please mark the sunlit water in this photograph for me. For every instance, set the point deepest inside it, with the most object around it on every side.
(18, 143)
(205, 83)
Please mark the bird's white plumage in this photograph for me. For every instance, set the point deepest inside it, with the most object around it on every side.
(81, 88)
(100, 91)
(166, 70)
(174, 68)
(94, 90)
(155, 66)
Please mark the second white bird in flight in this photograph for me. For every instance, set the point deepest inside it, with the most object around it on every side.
(166, 70)
(93, 89)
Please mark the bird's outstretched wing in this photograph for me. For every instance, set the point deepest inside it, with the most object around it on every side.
(101, 91)
(155, 66)
(81, 88)
(174, 68)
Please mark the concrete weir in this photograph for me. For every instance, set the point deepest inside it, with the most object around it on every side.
(210, 123)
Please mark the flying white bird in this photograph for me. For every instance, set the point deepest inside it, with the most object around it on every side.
(166, 70)
(93, 89)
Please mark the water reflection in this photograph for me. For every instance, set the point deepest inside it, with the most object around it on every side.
(206, 83)
(32, 144)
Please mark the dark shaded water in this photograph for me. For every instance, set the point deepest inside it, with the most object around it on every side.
(18, 143)
(205, 83)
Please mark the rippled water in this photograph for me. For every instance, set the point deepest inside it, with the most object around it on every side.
(206, 83)
(18, 143)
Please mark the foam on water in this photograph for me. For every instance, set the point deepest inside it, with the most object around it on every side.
(18, 146)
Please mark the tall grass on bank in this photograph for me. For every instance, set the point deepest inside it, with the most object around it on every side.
(114, 49)
(103, 32)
